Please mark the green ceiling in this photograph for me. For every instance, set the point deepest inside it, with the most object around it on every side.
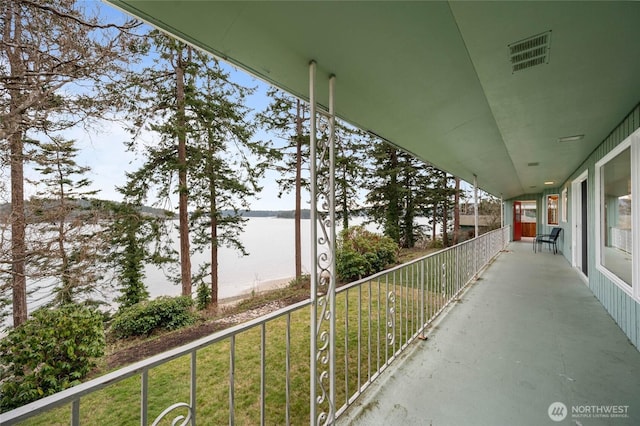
(435, 78)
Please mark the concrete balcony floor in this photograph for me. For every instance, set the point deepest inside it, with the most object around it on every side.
(527, 334)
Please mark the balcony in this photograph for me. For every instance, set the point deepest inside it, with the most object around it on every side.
(527, 334)
(500, 349)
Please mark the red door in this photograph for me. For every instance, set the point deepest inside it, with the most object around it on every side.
(517, 221)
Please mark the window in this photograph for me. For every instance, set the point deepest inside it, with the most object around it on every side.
(617, 218)
(552, 209)
(564, 205)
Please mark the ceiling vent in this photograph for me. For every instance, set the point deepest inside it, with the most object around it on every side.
(530, 52)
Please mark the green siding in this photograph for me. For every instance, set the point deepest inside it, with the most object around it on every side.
(623, 309)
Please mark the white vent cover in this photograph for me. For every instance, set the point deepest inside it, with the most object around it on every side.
(530, 52)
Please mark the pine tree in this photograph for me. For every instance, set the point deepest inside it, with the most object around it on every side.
(456, 211)
(288, 118)
(438, 201)
(135, 239)
(227, 166)
(67, 222)
(198, 112)
(160, 101)
(397, 189)
(385, 192)
(350, 169)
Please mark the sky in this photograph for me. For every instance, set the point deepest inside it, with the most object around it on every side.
(104, 150)
(105, 153)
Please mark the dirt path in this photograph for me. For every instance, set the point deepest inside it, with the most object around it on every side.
(165, 342)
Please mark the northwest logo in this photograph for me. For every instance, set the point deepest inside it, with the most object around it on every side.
(557, 411)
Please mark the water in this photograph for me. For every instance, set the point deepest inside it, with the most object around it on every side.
(270, 243)
(271, 260)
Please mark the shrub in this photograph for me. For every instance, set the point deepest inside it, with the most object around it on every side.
(300, 282)
(141, 319)
(50, 352)
(203, 296)
(436, 244)
(361, 253)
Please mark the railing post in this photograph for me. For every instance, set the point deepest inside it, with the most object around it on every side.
(313, 291)
(476, 210)
(75, 412)
(192, 391)
(422, 304)
(323, 278)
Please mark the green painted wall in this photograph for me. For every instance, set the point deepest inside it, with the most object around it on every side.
(623, 309)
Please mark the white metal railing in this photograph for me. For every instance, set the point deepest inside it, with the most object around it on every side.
(376, 319)
(394, 307)
(621, 239)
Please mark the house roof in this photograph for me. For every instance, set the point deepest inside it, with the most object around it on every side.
(437, 78)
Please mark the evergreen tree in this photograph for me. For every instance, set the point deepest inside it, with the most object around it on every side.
(438, 201)
(69, 225)
(402, 187)
(396, 191)
(456, 211)
(190, 102)
(128, 255)
(226, 167)
(384, 191)
(350, 169)
(160, 96)
(288, 117)
(136, 239)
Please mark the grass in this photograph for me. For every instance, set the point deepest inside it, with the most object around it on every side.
(368, 335)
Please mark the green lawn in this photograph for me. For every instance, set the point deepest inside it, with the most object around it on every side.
(371, 327)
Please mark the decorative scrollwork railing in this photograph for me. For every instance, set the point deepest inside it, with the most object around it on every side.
(373, 335)
(323, 252)
(185, 419)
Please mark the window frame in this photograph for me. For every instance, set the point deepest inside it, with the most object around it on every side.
(632, 143)
(564, 204)
(546, 209)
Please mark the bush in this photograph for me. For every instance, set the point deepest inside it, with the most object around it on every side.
(203, 296)
(300, 282)
(50, 352)
(435, 244)
(361, 253)
(163, 313)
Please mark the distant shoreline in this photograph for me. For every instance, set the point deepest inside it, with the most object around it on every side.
(258, 288)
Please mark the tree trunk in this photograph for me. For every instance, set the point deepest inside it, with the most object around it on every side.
(297, 217)
(456, 213)
(345, 202)
(183, 215)
(445, 221)
(65, 295)
(213, 216)
(435, 223)
(12, 17)
(214, 256)
(392, 226)
(409, 213)
(18, 225)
